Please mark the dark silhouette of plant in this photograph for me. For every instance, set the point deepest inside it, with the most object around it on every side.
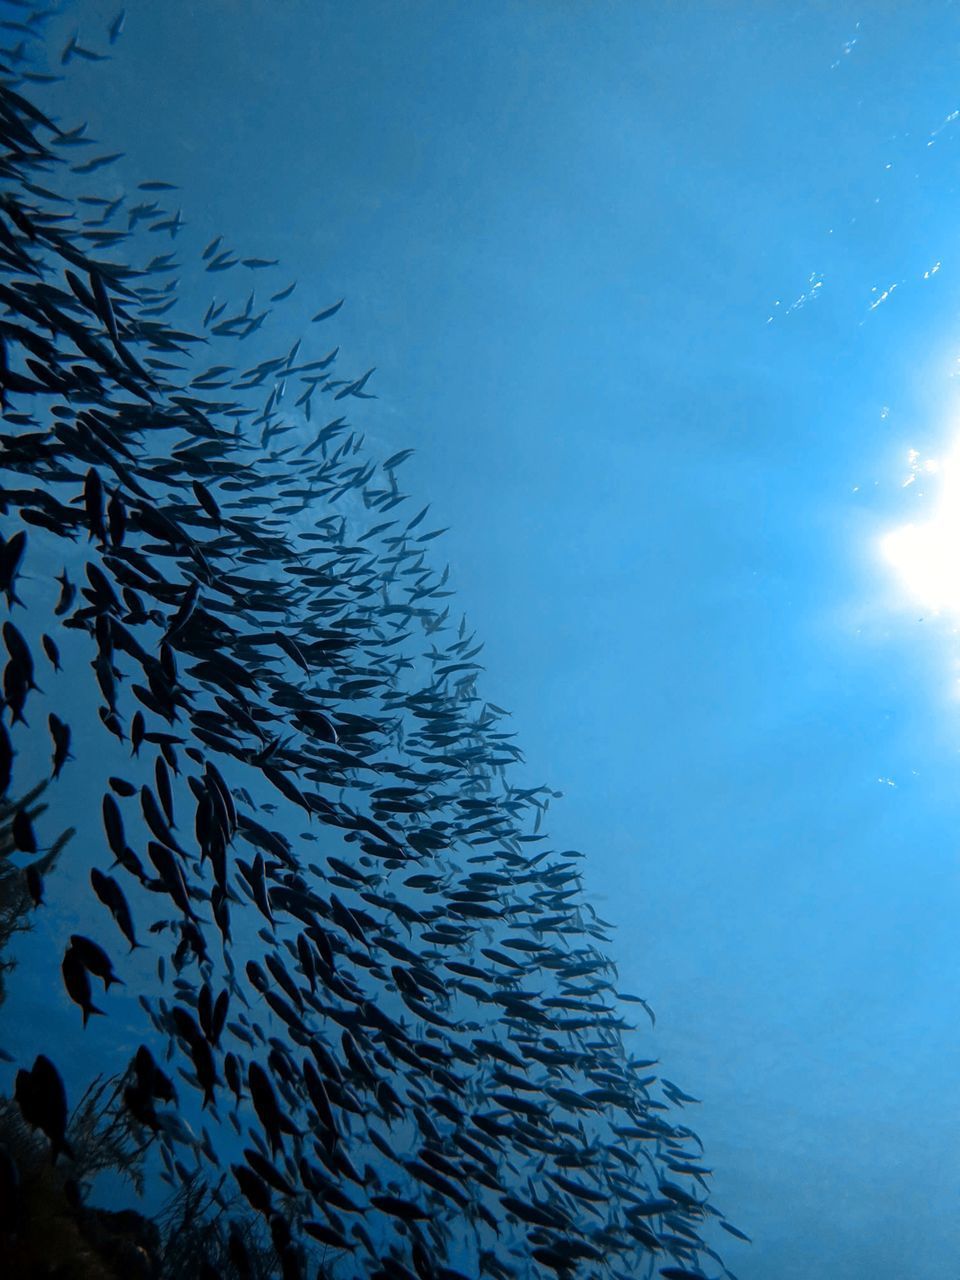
(17, 902)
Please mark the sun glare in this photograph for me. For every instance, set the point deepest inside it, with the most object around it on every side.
(926, 556)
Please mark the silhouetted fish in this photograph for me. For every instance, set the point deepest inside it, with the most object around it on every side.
(42, 1100)
(438, 1021)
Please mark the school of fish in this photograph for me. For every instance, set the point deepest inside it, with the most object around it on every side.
(372, 971)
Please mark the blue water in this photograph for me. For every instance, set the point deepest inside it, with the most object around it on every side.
(662, 297)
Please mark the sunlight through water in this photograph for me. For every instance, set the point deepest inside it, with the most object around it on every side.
(924, 555)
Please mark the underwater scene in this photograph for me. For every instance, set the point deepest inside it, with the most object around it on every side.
(479, 591)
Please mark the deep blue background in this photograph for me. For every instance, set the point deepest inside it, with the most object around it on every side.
(572, 237)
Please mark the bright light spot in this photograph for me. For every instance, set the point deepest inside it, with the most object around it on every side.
(883, 296)
(954, 115)
(815, 281)
(926, 556)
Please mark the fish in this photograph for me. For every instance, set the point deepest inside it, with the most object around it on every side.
(171, 876)
(327, 312)
(42, 1098)
(52, 651)
(20, 655)
(266, 1106)
(207, 501)
(439, 1022)
(94, 959)
(60, 733)
(164, 789)
(735, 1231)
(6, 760)
(22, 835)
(67, 595)
(11, 556)
(99, 162)
(68, 50)
(253, 1188)
(113, 898)
(77, 983)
